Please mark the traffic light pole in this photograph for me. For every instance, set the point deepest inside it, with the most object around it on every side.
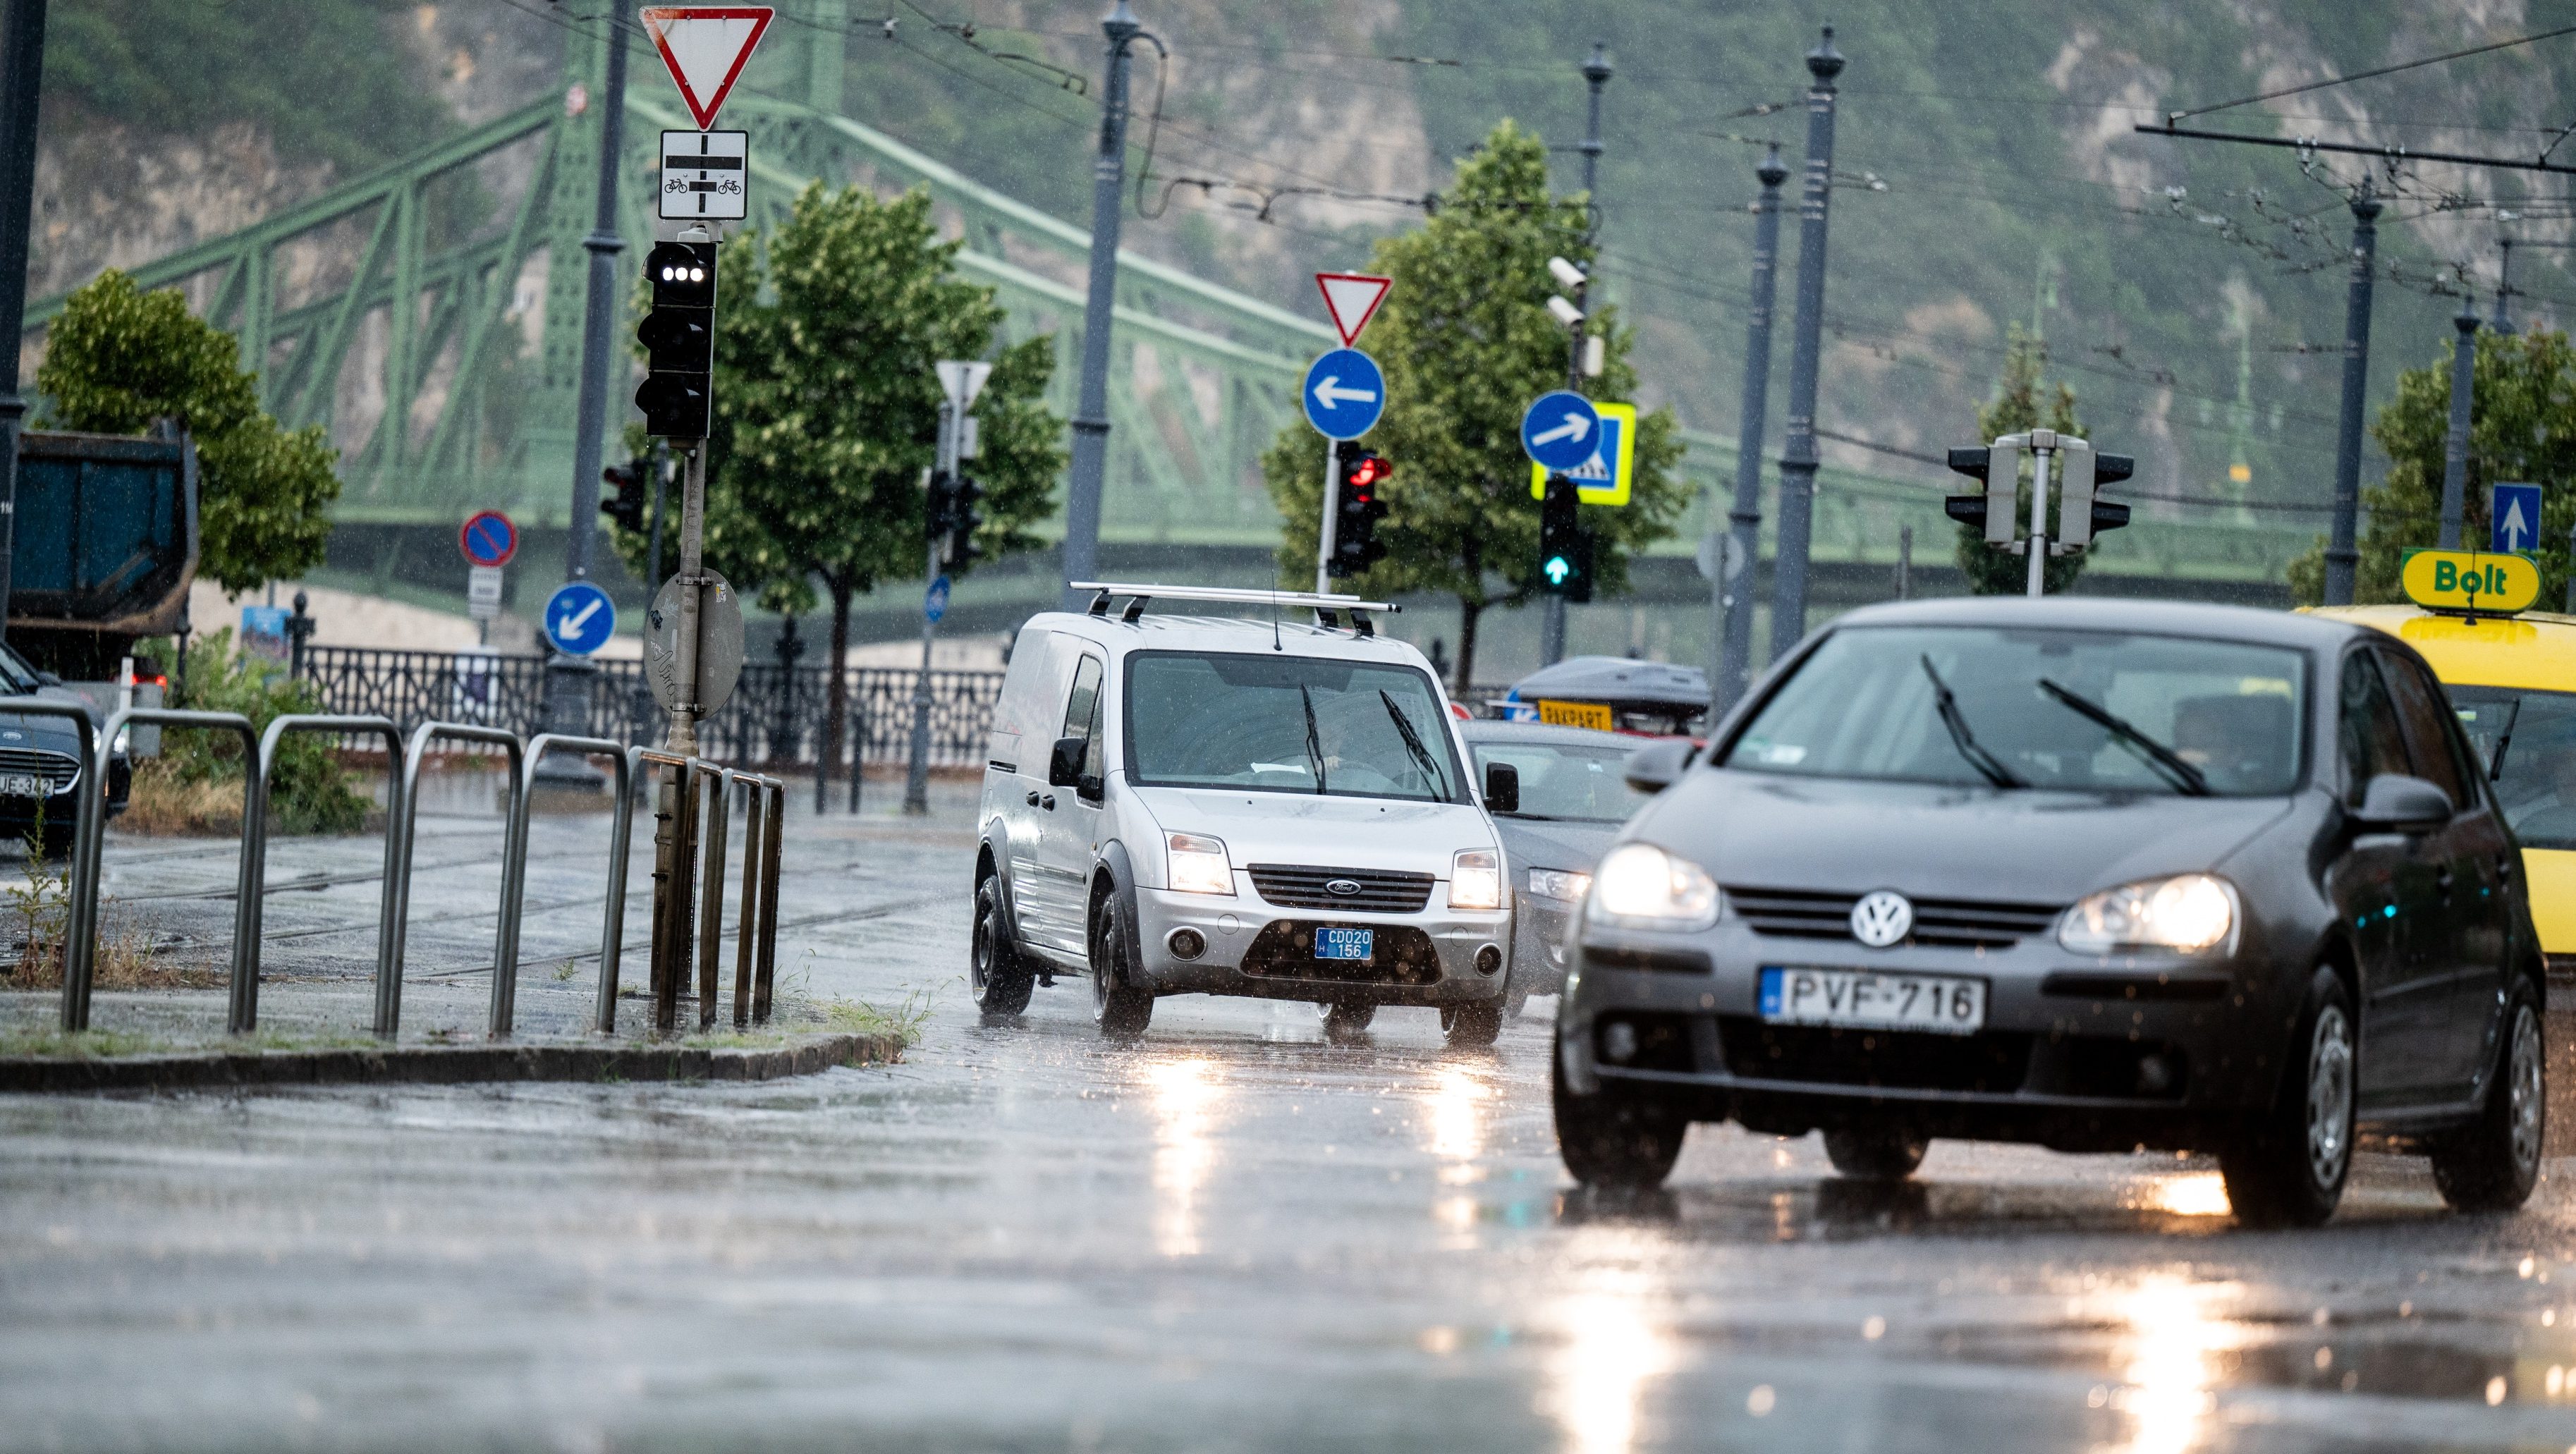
(2040, 455)
(1798, 452)
(1596, 74)
(916, 777)
(683, 738)
(22, 69)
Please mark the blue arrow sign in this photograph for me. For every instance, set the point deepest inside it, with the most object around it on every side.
(1345, 393)
(1561, 430)
(934, 602)
(2513, 518)
(579, 618)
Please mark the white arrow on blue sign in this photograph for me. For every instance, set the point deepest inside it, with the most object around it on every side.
(934, 602)
(1345, 393)
(1561, 431)
(2513, 518)
(579, 618)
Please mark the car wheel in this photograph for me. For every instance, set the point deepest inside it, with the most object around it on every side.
(1345, 1021)
(1878, 1153)
(2289, 1170)
(1000, 978)
(2491, 1164)
(1471, 1027)
(1121, 1010)
(1616, 1138)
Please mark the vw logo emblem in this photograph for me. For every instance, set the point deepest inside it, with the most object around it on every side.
(1881, 918)
(1343, 886)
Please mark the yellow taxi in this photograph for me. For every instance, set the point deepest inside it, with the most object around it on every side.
(2513, 680)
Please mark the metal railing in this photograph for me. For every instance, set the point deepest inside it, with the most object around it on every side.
(243, 1013)
(406, 813)
(612, 933)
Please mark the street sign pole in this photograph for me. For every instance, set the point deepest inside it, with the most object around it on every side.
(22, 67)
(916, 776)
(1327, 537)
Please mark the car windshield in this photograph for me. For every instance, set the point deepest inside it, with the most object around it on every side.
(15, 674)
(2535, 779)
(1287, 724)
(2082, 711)
(1562, 781)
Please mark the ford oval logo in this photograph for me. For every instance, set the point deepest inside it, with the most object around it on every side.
(1342, 886)
(1881, 918)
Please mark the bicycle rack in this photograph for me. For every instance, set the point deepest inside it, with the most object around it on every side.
(80, 952)
(389, 966)
(87, 807)
(758, 964)
(505, 963)
(756, 918)
(244, 1009)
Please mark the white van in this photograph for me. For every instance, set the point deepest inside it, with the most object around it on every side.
(1189, 804)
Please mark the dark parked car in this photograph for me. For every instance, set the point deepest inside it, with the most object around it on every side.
(2089, 874)
(40, 762)
(1574, 795)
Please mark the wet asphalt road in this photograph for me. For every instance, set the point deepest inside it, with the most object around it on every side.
(1231, 1236)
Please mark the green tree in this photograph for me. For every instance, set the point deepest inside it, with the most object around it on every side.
(120, 358)
(2522, 426)
(2023, 401)
(827, 408)
(1466, 343)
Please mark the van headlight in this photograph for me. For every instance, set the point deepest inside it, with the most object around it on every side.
(2190, 912)
(1198, 864)
(1476, 879)
(1640, 886)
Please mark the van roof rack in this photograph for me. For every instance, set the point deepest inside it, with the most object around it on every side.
(1325, 606)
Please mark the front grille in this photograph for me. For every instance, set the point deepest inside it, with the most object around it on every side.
(1940, 923)
(1991, 1061)
(1285, 949)
(1382, 891)
(60, 770)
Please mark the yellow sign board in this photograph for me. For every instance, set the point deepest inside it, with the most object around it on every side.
(1604, 478)
(2469, 580)
(1576, 714)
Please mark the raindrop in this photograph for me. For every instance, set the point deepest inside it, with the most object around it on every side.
(2495, 1390)
(1760, 1401)
(2325, 1359)
(1875, 1328)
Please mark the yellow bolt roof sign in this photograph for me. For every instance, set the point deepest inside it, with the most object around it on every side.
(2469, 580)
(1596, 482)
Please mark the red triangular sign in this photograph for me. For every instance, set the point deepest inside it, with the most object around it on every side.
(705, 47)
(1352, 299)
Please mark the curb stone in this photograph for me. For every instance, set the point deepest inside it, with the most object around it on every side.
(441, 1065)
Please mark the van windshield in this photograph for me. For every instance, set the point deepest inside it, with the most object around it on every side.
(2082, 711)
(1288, 724)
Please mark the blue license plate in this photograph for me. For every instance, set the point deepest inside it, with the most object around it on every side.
(1345, 943)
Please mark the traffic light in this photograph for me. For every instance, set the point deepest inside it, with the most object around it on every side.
(1357, 509)
(679, 340)
(1564, 546)
(2081, 515)
(964, 518)
(934, 505)
(629, 489)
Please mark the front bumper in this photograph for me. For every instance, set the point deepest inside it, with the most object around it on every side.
(2077, 1053)
(1256, 950)
(1540, 944)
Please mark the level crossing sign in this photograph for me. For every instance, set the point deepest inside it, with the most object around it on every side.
(705, 47)
(1344, 394)
(706, 175)
(2513, 519)
(1561, 430)
(579, 618)
(1604, 479)
(488, 538)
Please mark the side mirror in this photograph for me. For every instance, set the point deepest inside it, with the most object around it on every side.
(2394, 802)
(1653, 769)
(1502, 788)
(1064, 765)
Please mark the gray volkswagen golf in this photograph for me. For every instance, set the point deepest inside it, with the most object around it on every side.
(2088, 874)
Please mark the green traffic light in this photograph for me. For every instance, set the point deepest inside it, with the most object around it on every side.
(1557, 569)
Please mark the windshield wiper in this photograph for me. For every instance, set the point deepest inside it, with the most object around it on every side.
(1314, 740)
(2191, 780)
(1432, 777)
(1961, 738)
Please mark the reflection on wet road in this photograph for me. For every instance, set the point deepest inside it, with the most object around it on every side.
(1229, 1236)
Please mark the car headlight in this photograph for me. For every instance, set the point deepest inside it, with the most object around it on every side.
(1641, 886)
(1476, 879)
(2190, 912)
(124, 739)
(1556, 883)
(1199, 864)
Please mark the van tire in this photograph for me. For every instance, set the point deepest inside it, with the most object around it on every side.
(1118, 1007)
(1345, 1021)
(1875, 1153)
(2492, 1163)
(1472, 1027)
(997, 972)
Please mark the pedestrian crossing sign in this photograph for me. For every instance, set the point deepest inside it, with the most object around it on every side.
(1604, 478)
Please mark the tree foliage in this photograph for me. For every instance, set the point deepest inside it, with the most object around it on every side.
(1466, 343)
(119, 358)
(2023, 401)
(2522, 426)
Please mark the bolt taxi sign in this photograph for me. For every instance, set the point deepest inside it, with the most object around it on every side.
(2469, 581)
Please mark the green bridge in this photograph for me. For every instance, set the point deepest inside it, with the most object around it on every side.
(430, 316)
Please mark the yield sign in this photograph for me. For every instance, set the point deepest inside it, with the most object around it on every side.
(1352, 298)
(705, 47)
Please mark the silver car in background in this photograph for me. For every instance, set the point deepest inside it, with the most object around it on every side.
(1573, 795)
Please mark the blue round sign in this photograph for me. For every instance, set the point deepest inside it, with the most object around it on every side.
(1345, 393)
(488, 538)
(1561, 430)
(934, 601)
(579, 618)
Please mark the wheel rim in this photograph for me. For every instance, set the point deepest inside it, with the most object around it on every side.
(2523, 1088)
(1105, 959)
(979, 962)
(2329, 1096)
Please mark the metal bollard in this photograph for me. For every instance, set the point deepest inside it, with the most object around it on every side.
(746, 939)
(711, 912)
(407, 809)
(765, 968)
(612, 934)
(244, 1010)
